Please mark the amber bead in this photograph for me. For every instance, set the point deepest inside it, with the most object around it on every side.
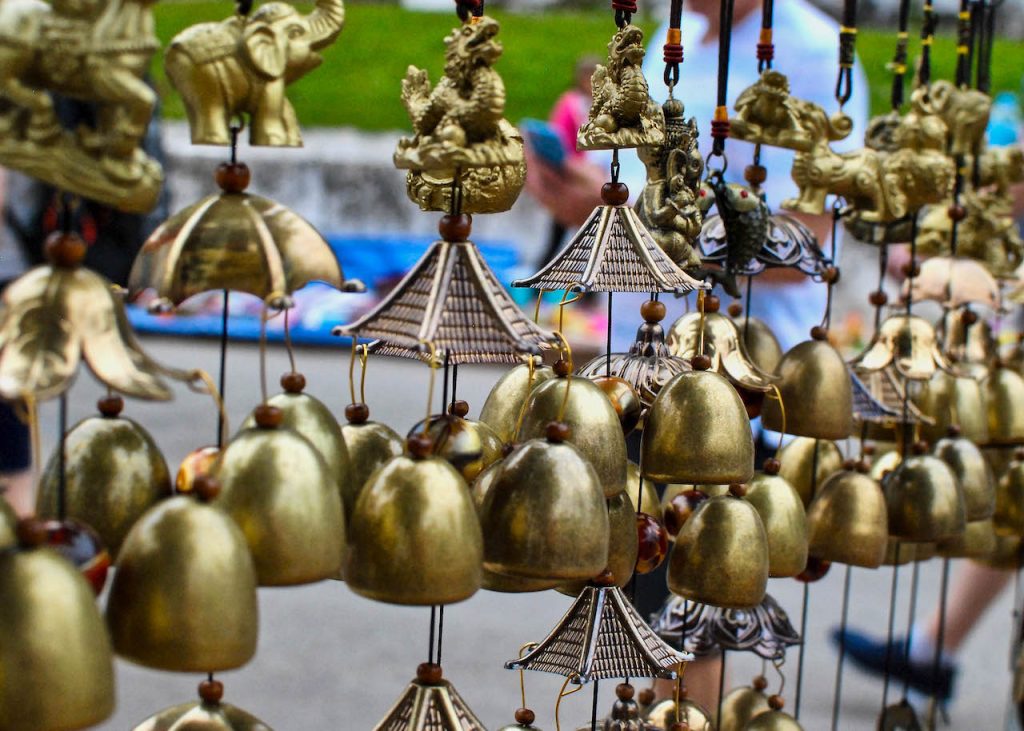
(819, 333)
(869, 448)
(831, 275)
(701, 362)
(849, 464)
(558, 431)
(911, 269)
(969, 317)
(753, 401)
(80, 545)
(679, 726)
(878, 298)
(110, 406)
(455, 228)
(863, 466)
(211, 691)
(429, 673)
(232, 177)
(652, 311)
(420, 446)
(605, 578)
(357, 413)
(712, 303)
(755, 174)
(624, 692)
(772, 466)
(197, 462)
(625, 400)
(737, 490)
(561, 368)
(680, 508)
(293, 382)
(653, 543)
(459, 408)
(760, 683)
(614, 194)
(735, 309)
(920, 447)
(814, 571)
(776, 703)
(646, 696)
(206, 487)
(31, 532)
(267, 417)
(65, 249)
(956, 212)
(524, 716)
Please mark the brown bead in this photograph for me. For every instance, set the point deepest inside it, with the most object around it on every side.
(956, 212)
(524, 716)
(646, 696)
(737, 490)
(920, 447)
(755, 174)
(911, 269)
(819, 333)
(293, 382)
(831, 275)
(760, 683)
(878, 298)
(735, 309)
(357, 413)
(772, 466)
(953, 430)
(65, 250)
(605, 578)
(679, 726)
(429, 673)
(459, 408)
(712, 303)
(455, 228)
(206, 487)
(211, 691)
(558, 431)
(507, 449)
(776, 703)
(31, 532)
(814, 571)
(863, 466)
(420, 446)
(701, 362)
(1018, 454)
(849, 464)
(232, 177)
(623, 398)
(869, 448)
(561, 368)
(680, 509)
(969, 317)
(653, 543)
(614, 194)
(652, 311)
(267, 417)
(624, 692)
(110, 406)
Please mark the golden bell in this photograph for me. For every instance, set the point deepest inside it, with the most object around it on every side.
(978, 541)
(951, 400)
(847, 521)
(762, 345)
(739, 706)
(785, 523)
(973, 474)
(370, 444)
(816, 393)
(415, 537)
(773, 721)
(623, 545)
(203, 716)
(721, 555)
(924, 500)
(664, 713)
(885, 463)
(649, 502)
(592, 420)
(722, 341)
(900, 553)
(114, 472)
(55, 658)
(1004, 404)
(184, 593)
(276, 486)
(469, 446)
(797, 465)
(697, 431)
(1008, 519)
(545, 516)
(999, 460)
(505, 401)
(926, 551)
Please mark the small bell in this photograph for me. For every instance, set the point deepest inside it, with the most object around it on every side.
(761, 343)
(973, 474)
(899, 553)
(697, 432)
(906, 343)
(184, 594)
(276, 486)
(978, 541)
(721, 555)
(55, 658)
(740, 705)
(469, 446)
(592, 420)
(816, 393)
(370, 444)
(798, 464)
(623, 545)
(667, 712)
(951, 400)
(924, 500)
(545, 516)
(774, 720)
(624, 399)
(785, 522)
(847, 521)
(207, 715)
(415, 537)
(1008, 518)
(649, 501)
(505, 402)
(114, 472)
(625, 715)
(1004, 403)
(524, 721)
(999, 459)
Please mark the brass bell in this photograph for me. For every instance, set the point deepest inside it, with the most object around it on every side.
(649, 501)
(114, 472)
(1008, 518)
(885, 463)
(505, 402)
(1004, 404)
(55, 657)
(209, 714)
(623, 398)
(761, 343)
(978, 541)
(785, 523)
(797, 460)
(926, 551)
(469, 446)
(973, 474)
(969, 339)
(415, 536)
(742, 704)
(184, 593)
(847, 521)
(816, 393)
(924, 500)
(664, 714)
(697, 432)
(899, 553)
(721, 555)
(773, 721)
(623, 545)
(999, 460)
(593, 423)
(545, 515)
(370, 444)
(625, 715)
(951, 401)
(276, 486)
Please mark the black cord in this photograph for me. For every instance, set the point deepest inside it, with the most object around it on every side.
(430, 640)
(893, 591)
(765, 46)
(721, 684)
(608, 342)
(223, 377)
(964, 43)
(593, 711)
(899, 59)
(847, 48)
(62, 472)
(803, 626)
(915, 579)
(986, 41)
(941, 639)
(440, 632)
(837, 697)
(720, 123)
(929, 24)
(673, 50)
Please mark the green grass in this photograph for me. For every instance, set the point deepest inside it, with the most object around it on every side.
(359, 83)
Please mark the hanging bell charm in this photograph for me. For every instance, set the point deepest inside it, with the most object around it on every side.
(623, 545)
(505, 402)
(370, 444)
(697, 432)
(761, 343)
(721, 555)
(276, 486)
(978, 541)
(207, 715)
(924, 500)
(415, 537)
(1008, 518)
(1004, 404)
(113, 473)
(55, 658)
(774, 719)
(184, 593)
(951, 401)
(847, 521)
(469, 446)
(973, 474)
(815, 390)
(785, 522)
(804, 470)
(742, 704)
(667, 712)
(545, 516)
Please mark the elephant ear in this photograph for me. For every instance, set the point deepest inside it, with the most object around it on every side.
(266, 50)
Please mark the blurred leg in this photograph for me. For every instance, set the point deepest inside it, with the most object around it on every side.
(971, 593)
(15, 462)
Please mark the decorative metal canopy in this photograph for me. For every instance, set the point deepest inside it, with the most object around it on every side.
(878, 398)
(430, 707)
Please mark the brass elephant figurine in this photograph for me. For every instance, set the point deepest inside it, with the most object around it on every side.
(242, 66)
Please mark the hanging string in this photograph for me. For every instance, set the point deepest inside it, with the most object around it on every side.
(673, 48)
(803, 621)
(940, 640)
(430, 638)
(915, 578)
(467, 9)
(721, 684)
(624, 10)
(847, 47)
(288, 342)
(593, 710)
(964, 44)
(893, 590)
(986, 31)
(720, 123)
(62, 473)
(765, 46)
(608, 341)
(898, 65)
(837, 697)
(929, 22)
(223, 375)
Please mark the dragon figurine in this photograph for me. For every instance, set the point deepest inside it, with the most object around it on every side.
(460, 128)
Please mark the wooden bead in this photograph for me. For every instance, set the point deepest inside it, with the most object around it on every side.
(558, 431)
(646, 696)
(66, 250)
(712, 303)
(878, 298)
(969, 317)
(293, 382)
(776, 703)
(614, 194)
(653, 543)
(429, 673)
(953, 430)
(869, 448)
(760, 683)
(956, 212)
(624, 692)
(524, 716)
(819, 333)
(920, 447)
(737, 490)
(679, 726)
(772, 466)
(267, 417)
(357, 413)
(701, 362)
(735, 309)
(455, 228)
(459, 408)
(420, 446)
(31, 532)
(605, 578)
(110, 406)
(561, 368)
(211, 691)
(206, 487)
(863, 466)
(831, 275)
(814, 571)
(232, 177)
(652, 311)
(755, 174)
(849, 464)
(911, 269)
(1018, 454)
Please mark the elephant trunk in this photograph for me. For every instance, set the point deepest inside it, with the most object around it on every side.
(325, 22)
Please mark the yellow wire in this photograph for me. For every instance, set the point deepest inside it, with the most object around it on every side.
(568, 378)
(782, 411)
(352, 368)
(532, 366)
(536, 308)
(700, 308)
(430, 389)
(363, 357)
(566, 301)
(214, 393)
(522, 673)
(562, 694)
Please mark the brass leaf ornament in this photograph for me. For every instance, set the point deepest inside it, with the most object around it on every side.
(953, 282)
(723, 343)
(909, 344)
